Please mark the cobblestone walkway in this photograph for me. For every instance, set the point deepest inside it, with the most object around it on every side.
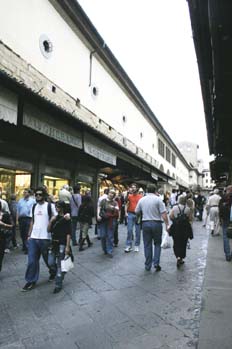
(106, 303)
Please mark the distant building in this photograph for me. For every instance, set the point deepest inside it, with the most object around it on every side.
(189, 151)
(208, 183)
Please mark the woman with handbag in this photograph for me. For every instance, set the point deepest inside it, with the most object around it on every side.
(5, 226)
(107, 215)
(181, 229)
(85, 215)
(61, 230)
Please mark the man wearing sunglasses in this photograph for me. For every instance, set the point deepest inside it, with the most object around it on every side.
(38, 239)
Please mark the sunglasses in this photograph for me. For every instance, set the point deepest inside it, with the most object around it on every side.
(38, 194)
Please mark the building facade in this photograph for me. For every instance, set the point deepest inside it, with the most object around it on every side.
(68, 110)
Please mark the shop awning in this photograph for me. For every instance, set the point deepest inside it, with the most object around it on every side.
(8, 106)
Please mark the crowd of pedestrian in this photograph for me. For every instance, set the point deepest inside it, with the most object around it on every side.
(49, 228)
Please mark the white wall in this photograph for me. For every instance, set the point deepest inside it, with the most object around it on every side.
(21, 25)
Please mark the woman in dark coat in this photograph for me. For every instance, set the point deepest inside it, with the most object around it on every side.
(5, 226)
(85, 215)
(60, 227)
(181, 229)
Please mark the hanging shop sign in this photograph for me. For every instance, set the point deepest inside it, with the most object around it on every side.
(51, 127)
(57, 172)
(8, 106)
(84, 178)
(99, 150)
(15, 164)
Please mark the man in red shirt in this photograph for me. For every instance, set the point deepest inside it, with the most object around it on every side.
(132, 200)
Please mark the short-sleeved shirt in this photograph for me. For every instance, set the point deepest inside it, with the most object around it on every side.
(132, 200)
(75, 203)
(41, 220)
(24, 207)
(61, 227)
(152, 207)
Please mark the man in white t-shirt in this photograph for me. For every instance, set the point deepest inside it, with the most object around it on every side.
(38, 239)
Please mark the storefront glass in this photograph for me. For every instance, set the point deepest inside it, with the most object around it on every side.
(13, 182)
(86, 188)
(54, 184)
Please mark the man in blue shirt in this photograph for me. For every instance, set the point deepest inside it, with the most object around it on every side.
(24, 208)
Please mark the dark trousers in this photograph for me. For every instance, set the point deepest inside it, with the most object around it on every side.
(179, 247)
(2, 248)
(24, 225)
(116, 234)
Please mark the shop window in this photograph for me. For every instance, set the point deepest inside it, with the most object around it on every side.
(54, 184)
(13, 182)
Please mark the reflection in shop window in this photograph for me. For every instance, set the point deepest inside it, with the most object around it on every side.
(13, 182)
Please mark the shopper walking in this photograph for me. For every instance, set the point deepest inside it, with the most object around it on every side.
(107, 215)
(85, 215)
(61, 231)
(213, 204)
(132, 201)
(75, 203)
(5, 226)
(181, 229)
(225, 214)
(38, 239)
(153, 212)
(24, 209)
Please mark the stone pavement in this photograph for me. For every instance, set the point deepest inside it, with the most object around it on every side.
(106, 303)
(216, 313)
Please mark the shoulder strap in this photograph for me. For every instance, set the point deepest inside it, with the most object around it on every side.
(75, 201)
(33, 211)
(49, 210)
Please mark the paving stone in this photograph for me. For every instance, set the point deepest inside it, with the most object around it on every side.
(106, 303)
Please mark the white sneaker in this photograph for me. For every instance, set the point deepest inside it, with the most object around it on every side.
(7, 250)
(128, 249)
(136, 249)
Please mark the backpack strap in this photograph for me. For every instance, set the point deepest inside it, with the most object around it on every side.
(75, 201)
(33, 212)
(49, 210)
(49, 207)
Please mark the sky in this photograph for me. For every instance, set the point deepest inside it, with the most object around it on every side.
(152, 40)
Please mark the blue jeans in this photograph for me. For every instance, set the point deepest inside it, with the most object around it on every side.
(55, 256)
(226, 241)
(36, 247)
(107, 235)
(131, 222)
(152, 231)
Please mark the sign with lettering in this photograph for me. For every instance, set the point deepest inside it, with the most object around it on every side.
(51, 127)
(16, 164)
(99, 150)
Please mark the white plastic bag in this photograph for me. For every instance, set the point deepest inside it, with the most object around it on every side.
(166, 241)
(66, 264)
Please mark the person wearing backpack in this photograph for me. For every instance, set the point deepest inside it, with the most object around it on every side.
(38, 239)
(181, 229)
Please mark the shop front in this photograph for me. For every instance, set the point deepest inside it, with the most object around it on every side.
(15, 176)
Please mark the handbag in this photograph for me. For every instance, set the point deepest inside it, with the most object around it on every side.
(66, 264)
